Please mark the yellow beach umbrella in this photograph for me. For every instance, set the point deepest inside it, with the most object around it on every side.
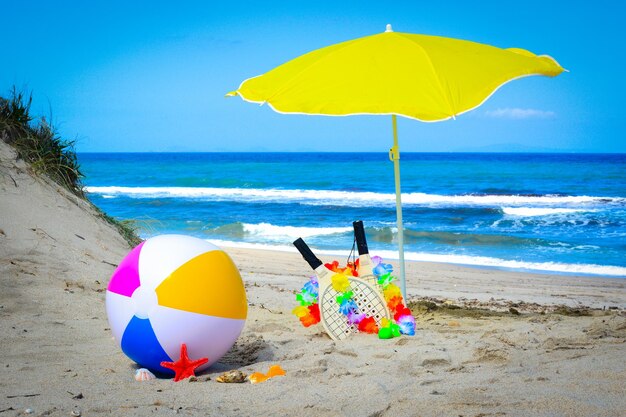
(428, 78)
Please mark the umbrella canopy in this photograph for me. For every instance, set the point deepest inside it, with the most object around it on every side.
(428, 78)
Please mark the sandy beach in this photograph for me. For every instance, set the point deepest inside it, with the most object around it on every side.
(488, 342)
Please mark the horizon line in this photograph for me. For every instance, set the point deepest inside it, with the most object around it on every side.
(374, 152)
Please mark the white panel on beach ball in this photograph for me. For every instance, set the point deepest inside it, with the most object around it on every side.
(175, 289)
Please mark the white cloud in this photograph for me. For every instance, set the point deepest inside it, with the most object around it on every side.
(515, 113)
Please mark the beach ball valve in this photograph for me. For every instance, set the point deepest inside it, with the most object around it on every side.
(175, 289)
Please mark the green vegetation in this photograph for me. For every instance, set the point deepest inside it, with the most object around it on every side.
(126, 228)
(37, 142)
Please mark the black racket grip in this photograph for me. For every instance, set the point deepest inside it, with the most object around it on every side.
(306, 253)
(359, 235)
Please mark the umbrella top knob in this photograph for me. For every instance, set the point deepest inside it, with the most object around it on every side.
(388, 28)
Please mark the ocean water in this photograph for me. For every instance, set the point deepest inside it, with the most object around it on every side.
(563, 213)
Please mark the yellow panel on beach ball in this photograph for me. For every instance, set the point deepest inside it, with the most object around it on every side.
(208, 284)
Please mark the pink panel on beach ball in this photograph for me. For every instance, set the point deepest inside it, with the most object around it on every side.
(125, 279)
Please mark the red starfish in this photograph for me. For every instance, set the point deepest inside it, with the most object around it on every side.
(184, 367)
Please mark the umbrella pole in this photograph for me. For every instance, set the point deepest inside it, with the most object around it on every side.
(394, 156)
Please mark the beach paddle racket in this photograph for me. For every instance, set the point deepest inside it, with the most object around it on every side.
(365, 261)
(368, 298)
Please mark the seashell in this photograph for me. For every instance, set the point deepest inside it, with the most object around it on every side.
(232, 376)
(75, 413)
(142, 374)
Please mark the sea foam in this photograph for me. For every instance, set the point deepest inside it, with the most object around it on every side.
(540, 211)
(270, 231)
(351, 198)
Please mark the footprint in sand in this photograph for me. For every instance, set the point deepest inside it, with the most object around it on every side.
(432, 362)
(269, 327)
(320, 368)
(490, 354)
(246, 351)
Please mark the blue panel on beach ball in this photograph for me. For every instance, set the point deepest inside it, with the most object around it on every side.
(141, 345)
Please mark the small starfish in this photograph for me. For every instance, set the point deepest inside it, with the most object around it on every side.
(184, 367)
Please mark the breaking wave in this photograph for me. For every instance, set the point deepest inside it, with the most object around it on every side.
(359, 198)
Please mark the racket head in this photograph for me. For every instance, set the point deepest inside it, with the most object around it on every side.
(366, 272)
(367, 298)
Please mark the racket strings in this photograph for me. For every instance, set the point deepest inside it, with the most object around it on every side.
(368, 301)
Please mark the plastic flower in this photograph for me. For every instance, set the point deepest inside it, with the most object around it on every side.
(401, 310)
(355, 318)
(334, 266)
(388, 329)
(344, 297)
(385, 279)
(305, 298)
(392, 290)
(407, 325)
(395, 330)
(308, 315)
(368, 325)
(340, 283)
(314, 310)
(382, 269)
(300, 311)
(394, 302)
(312, 287)
(351, 270)
(347, 306)
(308, 320)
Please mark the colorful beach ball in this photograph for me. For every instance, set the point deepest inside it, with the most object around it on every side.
(174, 289)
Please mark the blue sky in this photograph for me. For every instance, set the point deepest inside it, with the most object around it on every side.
(151, 76)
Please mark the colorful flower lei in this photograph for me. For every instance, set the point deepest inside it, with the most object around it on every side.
(403, 321)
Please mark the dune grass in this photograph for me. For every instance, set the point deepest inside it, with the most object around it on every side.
(126, 228)
(37, 142)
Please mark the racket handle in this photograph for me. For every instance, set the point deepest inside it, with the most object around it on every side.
(359, 235)
(307, 254)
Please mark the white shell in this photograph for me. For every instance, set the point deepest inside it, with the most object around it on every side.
(142, 374)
